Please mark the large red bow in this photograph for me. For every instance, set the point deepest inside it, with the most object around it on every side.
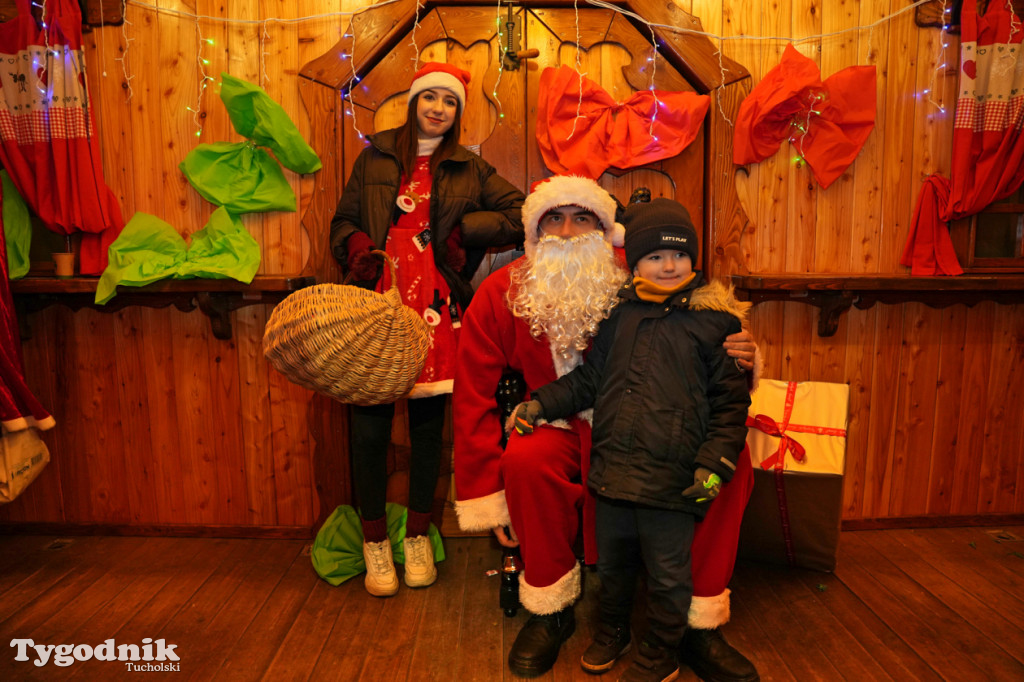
(647, 127)
(827, 122)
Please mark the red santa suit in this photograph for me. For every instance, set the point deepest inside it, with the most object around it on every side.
(535, 483)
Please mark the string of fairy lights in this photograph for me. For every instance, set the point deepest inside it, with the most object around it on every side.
(940, 57)
(502, 29)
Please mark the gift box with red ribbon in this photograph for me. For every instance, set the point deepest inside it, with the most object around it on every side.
(797, 439)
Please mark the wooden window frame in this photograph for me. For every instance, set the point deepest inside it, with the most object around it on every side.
(964, 234)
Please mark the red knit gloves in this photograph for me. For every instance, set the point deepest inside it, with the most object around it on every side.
(456, 258)
(361, 263)
(364, 265)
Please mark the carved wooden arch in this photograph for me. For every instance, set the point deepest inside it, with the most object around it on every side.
(380, 40)
(381, 36)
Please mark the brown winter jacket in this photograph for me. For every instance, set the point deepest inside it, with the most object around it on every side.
(466, 192)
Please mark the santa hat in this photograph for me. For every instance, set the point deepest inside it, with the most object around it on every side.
(569, 190)
(438, 75)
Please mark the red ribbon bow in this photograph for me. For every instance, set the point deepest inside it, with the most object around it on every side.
(584, 133)
(766, 424)
(763, 422)
(827, 121)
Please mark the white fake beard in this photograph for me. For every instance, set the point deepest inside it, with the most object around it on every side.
(565, 289)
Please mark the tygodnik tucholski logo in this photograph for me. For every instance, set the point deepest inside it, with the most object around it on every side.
(152, 656)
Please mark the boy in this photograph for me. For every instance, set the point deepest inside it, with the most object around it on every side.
(668, 425)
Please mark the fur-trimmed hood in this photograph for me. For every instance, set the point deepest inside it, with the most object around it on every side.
(717, 296)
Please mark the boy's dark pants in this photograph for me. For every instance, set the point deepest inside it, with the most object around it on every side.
(630, 537)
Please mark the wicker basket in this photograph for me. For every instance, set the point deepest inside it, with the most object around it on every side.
(351, 344)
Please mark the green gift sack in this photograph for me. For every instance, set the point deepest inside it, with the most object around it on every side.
(147, 250)
(17, 228)
(222, 249)
(238, 176)
(337, 552)
(259, 118)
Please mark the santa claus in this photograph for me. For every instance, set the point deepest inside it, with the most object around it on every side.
(536, 316)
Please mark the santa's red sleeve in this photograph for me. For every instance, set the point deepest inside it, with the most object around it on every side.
(480, 491)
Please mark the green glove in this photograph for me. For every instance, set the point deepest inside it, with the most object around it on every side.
(525, 416)
(706, 485)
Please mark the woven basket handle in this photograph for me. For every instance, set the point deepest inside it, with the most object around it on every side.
(382, 254)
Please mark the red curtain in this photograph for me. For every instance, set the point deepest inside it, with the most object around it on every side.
(47, 134)
(988, 147)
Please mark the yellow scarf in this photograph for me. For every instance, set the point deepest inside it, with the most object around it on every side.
(649, 291)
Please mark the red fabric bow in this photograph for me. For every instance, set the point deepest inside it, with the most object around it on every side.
(647, 127)
(827, 122)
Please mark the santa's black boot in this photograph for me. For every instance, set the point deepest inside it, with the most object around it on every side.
(714, 659)
(537, 644)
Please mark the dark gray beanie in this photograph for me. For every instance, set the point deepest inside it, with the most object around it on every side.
(658, 224)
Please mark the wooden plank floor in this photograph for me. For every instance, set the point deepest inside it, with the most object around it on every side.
(903, 605)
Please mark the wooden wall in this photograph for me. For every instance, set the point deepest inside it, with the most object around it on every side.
(161, 424)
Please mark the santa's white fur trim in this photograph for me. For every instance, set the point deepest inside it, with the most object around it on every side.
(564, 365)
(483, 513)
(708, 613)
(617, 234)
(431, 389)
(755, 378)
(555, 597)
(570, 190)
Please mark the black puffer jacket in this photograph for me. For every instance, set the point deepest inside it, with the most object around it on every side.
(466, 191)
(668, 398)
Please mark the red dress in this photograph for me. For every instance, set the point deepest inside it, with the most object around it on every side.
(422, 287)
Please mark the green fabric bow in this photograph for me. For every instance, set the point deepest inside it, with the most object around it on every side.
(239, 175)
(17, 228)
(148, 249)
(337, 551)
(259, 118)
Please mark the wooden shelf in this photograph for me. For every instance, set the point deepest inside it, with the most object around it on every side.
(833, 294)
(215, 298)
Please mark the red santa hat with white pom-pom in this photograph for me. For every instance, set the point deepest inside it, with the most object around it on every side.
(438, 75)
(569, 190)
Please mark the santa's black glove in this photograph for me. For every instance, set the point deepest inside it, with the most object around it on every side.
(706, 485)
(525, 416)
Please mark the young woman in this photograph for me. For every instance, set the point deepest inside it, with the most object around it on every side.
(434, 207)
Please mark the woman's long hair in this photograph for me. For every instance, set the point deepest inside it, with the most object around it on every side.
(407, 141)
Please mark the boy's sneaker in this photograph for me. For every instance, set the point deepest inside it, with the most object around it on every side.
(419, 561)
(652, 664)
(610, 642)
(381, 579)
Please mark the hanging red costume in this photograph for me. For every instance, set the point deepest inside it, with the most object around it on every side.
(988, 144)
(48, 140)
